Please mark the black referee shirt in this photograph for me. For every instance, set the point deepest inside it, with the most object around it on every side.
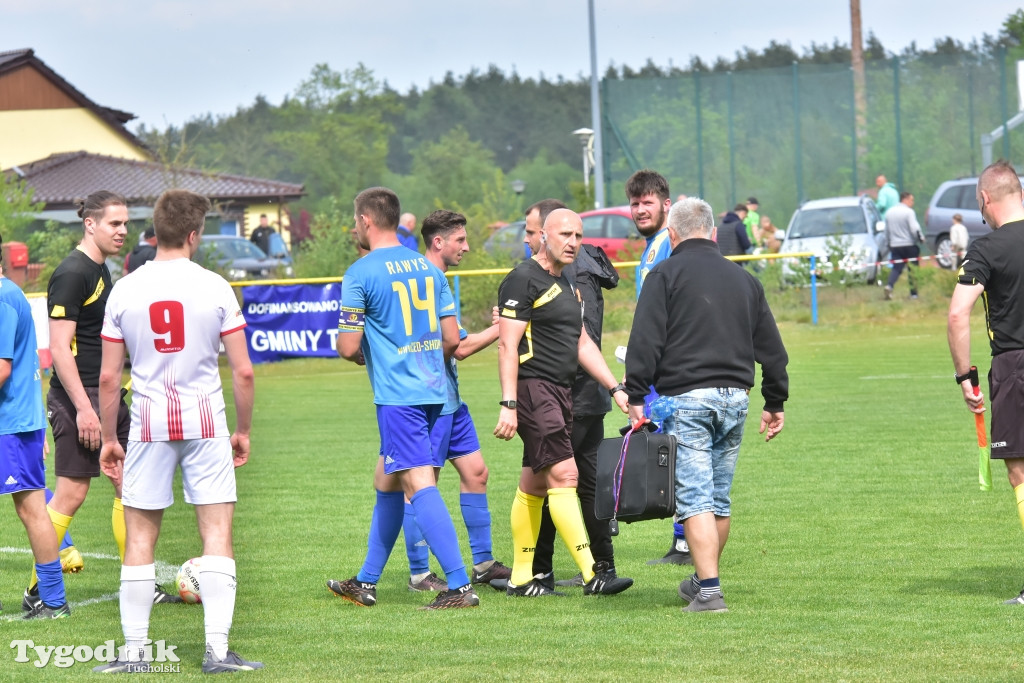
(553, 316)
(996, 261)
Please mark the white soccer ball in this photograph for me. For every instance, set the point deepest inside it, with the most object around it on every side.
(188, 582)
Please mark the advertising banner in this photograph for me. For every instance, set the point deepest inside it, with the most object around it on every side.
(291, 321)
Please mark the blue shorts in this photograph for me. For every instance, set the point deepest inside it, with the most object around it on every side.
(453, 436)
(21, 461)
(708, 426)
(405, 436)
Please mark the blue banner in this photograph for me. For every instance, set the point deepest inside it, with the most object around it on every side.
(291, 321)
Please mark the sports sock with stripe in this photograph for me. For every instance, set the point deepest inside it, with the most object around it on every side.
(415, 545)
(709, 587)
(477, 517)
(436, 525)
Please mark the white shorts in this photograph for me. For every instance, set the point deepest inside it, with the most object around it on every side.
(207, 472)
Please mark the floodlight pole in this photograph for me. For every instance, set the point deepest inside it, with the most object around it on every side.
(595, 114)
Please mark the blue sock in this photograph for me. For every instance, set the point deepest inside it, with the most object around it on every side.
(415, 545)
(477, 517)
(709, 587)
(436, 525)
(67, 534)
(51, 583)
(384, 528)
(677, 530)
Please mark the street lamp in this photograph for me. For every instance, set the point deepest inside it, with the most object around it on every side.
(518, 186)
(586, 137)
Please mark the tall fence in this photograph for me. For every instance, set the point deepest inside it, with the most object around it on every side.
(788, 134)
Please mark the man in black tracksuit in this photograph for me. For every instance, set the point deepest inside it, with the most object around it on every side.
(700, 325)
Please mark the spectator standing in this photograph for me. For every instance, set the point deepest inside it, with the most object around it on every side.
(700, 325)
(888, 195)
(903, 233)
(407, 231)
(732, 234)
(752, 221)
(144, 251)
(261, 235)
(958, 239)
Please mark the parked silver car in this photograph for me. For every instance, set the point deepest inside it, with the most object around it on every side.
(240, 259)
(953, 196)
(823, 225)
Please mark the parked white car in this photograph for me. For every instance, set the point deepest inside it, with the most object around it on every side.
(850, 223)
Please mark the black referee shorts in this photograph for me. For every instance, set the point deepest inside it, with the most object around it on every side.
(544, 412)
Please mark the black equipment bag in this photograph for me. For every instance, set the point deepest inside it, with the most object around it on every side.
(637, 483)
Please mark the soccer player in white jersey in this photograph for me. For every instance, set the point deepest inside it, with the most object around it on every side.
(172, 315)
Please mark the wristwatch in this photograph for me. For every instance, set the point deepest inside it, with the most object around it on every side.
(960, 379)
(618, 387)
(507, 404)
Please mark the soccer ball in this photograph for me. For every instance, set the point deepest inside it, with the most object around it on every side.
(188, 582)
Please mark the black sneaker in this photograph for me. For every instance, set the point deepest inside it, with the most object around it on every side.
(1019, 600)
(573, 582)
(43, 611)
(122, 666)
(534, 589)
(356, 591)
(713, 603)
(229, 665)
(429, 584)
(679, 553)
(605, 581)
(496, 571)
(161, 596)
(456, 598)
(31, 599)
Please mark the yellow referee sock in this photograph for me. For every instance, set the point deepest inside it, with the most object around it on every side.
(1019, 492)
(117, 523)
(525, 520)
(60, 526)
(564, 506)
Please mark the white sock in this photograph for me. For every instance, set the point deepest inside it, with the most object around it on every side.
(217, 586)
(137, 586)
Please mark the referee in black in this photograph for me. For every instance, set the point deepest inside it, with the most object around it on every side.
(540, 341)
(994, 265)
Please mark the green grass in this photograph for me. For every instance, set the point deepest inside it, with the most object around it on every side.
(861, 546)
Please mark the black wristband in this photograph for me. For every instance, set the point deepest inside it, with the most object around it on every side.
(960, 379)
(618, 387)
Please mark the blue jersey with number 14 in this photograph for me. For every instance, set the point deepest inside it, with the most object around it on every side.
(396, 298)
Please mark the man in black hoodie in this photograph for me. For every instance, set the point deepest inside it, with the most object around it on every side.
(700, 325)
(732, 235)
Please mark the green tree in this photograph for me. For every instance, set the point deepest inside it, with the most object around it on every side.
(16, 207)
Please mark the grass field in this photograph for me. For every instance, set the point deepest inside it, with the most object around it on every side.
(861, 546)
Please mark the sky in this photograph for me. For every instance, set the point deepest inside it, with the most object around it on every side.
(169, 61)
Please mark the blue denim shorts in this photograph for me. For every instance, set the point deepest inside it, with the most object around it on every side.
(708, 426)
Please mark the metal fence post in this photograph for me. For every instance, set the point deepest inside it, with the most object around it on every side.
(797, 153)
(853, 131)
(700, 144)
(814, 291)
(732, 140)
(896, 115)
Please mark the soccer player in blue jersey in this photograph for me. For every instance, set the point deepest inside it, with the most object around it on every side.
(647, 192)
(22, 435)
(453, 436)
(398, 317)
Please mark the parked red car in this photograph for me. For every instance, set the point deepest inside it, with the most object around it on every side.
(613, 230)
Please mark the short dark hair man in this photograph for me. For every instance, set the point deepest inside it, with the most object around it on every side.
(172, 318)
(903, 234)
(993, 267)
(453, 437)
(700, 325)
(535, 215)
(732, 235)
(261, 235)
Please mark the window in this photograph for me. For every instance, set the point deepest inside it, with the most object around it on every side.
(620, 227)
(593, 226)
(950, 199)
